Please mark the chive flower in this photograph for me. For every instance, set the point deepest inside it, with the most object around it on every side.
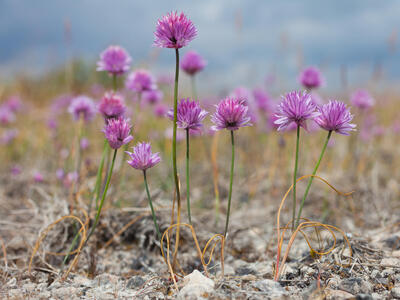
(112, 106)
(335, 116)
(296, 107)
(189, 114)
(140, 81)
(192, 63)
(230, 114)
(6, 116)
(152, 97)
(174, 31)
(141, 158)
(117, 132)
(82, 106)
(311, 78)
(362, 99)
(262, 100)
(115, 60)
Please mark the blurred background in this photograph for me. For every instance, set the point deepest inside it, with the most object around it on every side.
(245, 42)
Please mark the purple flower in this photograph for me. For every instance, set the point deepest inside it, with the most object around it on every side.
(6, 116)
(152, 97)
(8, 136)
(160, 110)
(230, 114)
(115, 60)
(117, 132)
(84, 143)
(296, 107)
(60, 174)
(141, 158)
(14, 104)
(189, 114)
(262, 100)
(16, 170)
(311, 78)
(38, 177)
(362, 99)
(174, 31)
(140, 81)
(112, 106)
(242, 93)
(192, 63)
(82, 106)
(335, 116)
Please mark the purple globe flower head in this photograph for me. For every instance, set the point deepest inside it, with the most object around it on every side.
(112, 106)
(295, 107)
(16, 170)
(14, 104)
(396, 127)
(117, 132)
(115, 60)
(38, 177)
(152, 97)
(6, 116)
(243, 94)
(82, 106)
(335, 116)
(52, 124)
(311, 78)
(262, 100)
(84, 143)
(160, 110)
(189, 115)
(140, 81)
(230, 114)
(174, 31)
(70, 178)
(8, 136)
(60, 174)
(141, 158)
(192, 63)
(362, 99)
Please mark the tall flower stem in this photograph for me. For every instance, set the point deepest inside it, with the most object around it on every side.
(188, 176)
(175, 169)
(194, 90)
(114, 80)
(96, 191)
(96, 220)
(312, 178)
(230, 184)
(151, 205)
(295, 176)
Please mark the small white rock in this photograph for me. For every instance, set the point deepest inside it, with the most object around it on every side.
(196, 286)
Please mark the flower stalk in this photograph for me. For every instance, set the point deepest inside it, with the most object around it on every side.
(230, 183)
(310, 180)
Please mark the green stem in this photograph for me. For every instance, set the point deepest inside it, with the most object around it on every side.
(175, 169)
(295, 176)
(96, 221)
(194, 91)
(151, 206)
(114, 82)
(187, 176)
(230, 184)
(312, 178)
(96, 191)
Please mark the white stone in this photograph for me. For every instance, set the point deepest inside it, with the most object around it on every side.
(196, 286)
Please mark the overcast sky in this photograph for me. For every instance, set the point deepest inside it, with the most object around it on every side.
(243, 41)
